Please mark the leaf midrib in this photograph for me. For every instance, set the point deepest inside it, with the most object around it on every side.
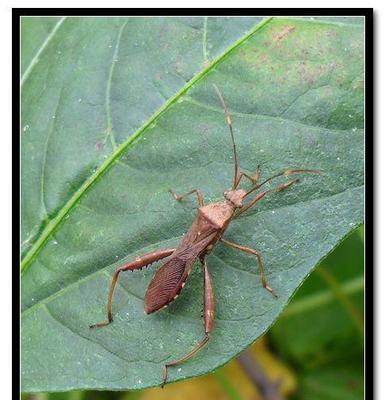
(75, 198)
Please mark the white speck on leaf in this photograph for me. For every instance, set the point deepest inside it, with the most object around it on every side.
(338, 159)
(25, 129)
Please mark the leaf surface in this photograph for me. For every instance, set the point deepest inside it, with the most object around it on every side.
(114, 113)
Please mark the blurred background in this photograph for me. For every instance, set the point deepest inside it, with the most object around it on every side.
(314, 351)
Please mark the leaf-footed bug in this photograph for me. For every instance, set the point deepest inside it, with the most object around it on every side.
(206, 231)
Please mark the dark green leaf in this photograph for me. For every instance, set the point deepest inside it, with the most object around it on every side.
(338, 381)
(115, 112)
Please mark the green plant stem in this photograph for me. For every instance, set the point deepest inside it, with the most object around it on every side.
(323, 297)
(340, 295)
(230, 390)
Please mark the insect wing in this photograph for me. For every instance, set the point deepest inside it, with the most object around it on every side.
(166, 283)
(169, 279)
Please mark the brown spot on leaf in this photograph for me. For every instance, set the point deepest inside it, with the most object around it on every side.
(263, 59)
(311, 74)
(332, 34)
(286, 31)
(99, 146)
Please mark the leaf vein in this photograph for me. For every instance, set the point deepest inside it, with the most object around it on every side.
(109, 130)
(35, 59)
(205, 40)
(46, 145)
(262, 116)
(89, 339)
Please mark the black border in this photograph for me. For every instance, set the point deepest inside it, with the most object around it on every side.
(369, 146)
(369, 292)
(16, 221)
(302, 12)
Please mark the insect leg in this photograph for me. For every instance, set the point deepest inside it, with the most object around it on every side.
(284, 173)
(259, 262)
(261, 195)
(139, 262)
(289, 172)
(181, 197)
(208, 315)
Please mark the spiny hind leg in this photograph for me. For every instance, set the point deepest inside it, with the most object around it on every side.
(208, 316)
(181, 197)
(139, 262)
(260, 263)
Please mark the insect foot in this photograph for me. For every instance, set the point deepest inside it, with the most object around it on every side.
(176, 197)
(100, 324)
(185, 358)
(269, 289)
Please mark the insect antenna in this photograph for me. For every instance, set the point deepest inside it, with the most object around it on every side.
(229, 123)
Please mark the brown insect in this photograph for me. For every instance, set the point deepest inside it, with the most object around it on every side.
(206, 231)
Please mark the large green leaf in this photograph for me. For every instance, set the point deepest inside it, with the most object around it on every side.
(116, 111)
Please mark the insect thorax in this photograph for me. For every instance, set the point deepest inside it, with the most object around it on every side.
(219, 214)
